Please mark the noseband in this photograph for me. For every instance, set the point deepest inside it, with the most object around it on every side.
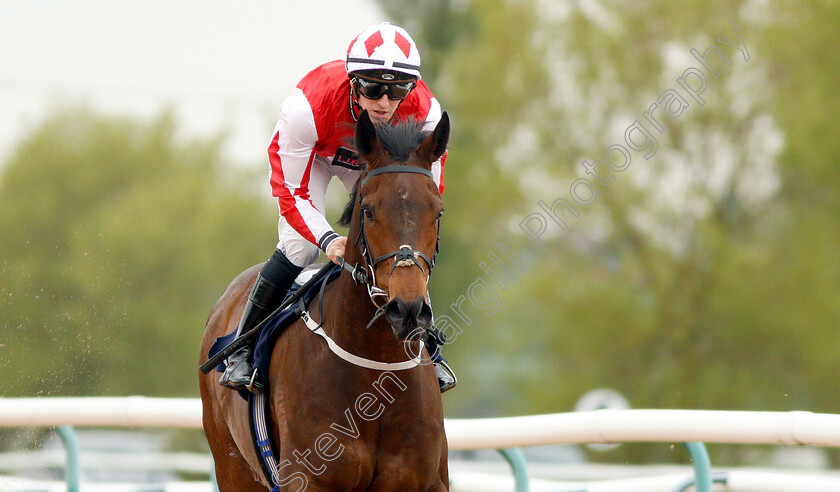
(404, 256)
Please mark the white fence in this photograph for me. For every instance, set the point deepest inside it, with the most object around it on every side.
(599, 426)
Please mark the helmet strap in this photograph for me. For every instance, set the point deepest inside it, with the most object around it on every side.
(355, 107)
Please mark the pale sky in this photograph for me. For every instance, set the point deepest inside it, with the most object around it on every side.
(215, 62)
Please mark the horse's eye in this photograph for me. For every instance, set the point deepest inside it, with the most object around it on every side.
(440, 214)
(368, 214)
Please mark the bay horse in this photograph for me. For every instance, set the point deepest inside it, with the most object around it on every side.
(339, 426)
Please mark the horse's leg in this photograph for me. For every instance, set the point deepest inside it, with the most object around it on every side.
(443, 472)
(232, 471)
(236, 479)
(232, 476)
(224, 414)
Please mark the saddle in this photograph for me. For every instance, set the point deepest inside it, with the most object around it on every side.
(306, 274)
(274, 326)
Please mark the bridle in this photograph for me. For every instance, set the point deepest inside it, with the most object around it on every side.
(406, 255)
(366, 274)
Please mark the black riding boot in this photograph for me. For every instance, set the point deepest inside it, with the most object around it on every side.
(445, 375)
(269, 289)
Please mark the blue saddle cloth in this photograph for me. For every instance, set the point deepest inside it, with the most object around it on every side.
(271, 331)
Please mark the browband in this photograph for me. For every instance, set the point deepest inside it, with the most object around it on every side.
(397, 169)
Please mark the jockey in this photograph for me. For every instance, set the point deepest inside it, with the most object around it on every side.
(380, 74)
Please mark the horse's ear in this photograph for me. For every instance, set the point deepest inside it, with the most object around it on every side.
(435, 144)
(366, 140)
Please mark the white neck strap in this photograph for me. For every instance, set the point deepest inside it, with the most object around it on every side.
(355, 359)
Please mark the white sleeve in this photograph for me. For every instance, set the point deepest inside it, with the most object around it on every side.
(291, 155)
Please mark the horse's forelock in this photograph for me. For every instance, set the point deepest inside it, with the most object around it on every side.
(400, 138)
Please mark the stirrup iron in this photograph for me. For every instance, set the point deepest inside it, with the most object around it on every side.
(253, 386)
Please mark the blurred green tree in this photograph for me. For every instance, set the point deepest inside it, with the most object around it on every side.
(703, 277)
(117, 240)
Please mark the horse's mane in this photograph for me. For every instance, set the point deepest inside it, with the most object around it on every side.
(399, 140)
(347, 214)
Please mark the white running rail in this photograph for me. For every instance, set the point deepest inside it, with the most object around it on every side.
(599, 426)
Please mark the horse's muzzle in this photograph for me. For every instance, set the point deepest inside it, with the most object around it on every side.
(407, 318)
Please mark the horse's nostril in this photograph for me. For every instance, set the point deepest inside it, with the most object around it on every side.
(395, 311)
(405, 315)
(424, 317)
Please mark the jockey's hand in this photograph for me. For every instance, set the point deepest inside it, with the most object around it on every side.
(336, 249)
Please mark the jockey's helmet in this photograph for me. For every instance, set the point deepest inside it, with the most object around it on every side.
(383, 52)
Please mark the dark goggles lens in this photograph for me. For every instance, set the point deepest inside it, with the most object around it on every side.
(375, 90)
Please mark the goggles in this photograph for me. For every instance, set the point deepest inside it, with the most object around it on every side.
(374, 90)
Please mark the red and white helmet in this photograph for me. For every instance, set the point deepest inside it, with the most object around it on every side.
(383, 47)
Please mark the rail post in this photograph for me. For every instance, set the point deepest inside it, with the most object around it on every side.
(71, 448)
(702, 468)
(516, 460)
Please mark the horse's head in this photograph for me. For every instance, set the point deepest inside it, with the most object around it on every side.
(395, 217)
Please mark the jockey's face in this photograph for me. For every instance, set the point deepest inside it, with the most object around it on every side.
(380, 110)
